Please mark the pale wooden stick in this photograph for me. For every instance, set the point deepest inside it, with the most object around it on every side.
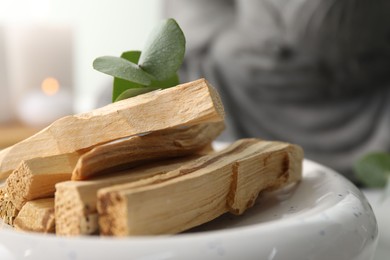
(36, 216)
(140, 149)
(276, 166)
(187, 104)
(35, 178)
(199, 191)
(12, 133)
(75, 201)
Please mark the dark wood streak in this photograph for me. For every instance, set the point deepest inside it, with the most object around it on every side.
(241, 147)
(285, 166)
(106, 201)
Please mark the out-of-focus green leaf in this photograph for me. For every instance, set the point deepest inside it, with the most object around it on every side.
(164, 50)
(120, 85)
(132, 56)
(171, 82)
(134, 92)
(155, 68)
(122, 68)
(373, 170)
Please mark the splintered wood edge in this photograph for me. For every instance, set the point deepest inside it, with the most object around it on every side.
(107, 217)
(157, 145)
(111, 199)
(216, 98)
(36, 178)
(116, 118)
(75, 201)
(280, 167)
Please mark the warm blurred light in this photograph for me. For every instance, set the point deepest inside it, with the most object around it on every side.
(50, 86)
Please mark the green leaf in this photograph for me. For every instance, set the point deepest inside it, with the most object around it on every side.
(122, 68)
(170, 82)
(164, 50)
(132, 56)
(373, 170)
(134, 92)
(120, 85)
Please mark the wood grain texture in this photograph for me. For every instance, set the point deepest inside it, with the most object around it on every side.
(136, 150)
(200, 190)
(76, 201)
(187, 104)
(37, 216)
(277, 165)
(36, 178)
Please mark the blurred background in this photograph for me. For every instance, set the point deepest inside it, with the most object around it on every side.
(46, 52)
(311, 72)
(315, 73)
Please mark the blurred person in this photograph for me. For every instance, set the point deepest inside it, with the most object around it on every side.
(311, 72)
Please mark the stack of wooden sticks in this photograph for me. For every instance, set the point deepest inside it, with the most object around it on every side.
(140, 166)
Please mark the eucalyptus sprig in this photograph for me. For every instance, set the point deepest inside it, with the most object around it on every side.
(156, 67)
(373, 170)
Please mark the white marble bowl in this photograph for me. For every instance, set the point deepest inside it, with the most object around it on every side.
(323, 217)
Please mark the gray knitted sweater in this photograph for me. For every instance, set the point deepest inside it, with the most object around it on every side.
(311, 72)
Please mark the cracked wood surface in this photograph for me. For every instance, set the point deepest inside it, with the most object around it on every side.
(186, 104)
(229, 180)
(76, 201)
(137, 150)
(36, 178)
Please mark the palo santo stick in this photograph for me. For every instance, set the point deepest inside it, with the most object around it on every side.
(37, 216)
(139, 149)
(276, 166)
(187, 104)
(36, 178)
(199, 191)
(75, 201)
